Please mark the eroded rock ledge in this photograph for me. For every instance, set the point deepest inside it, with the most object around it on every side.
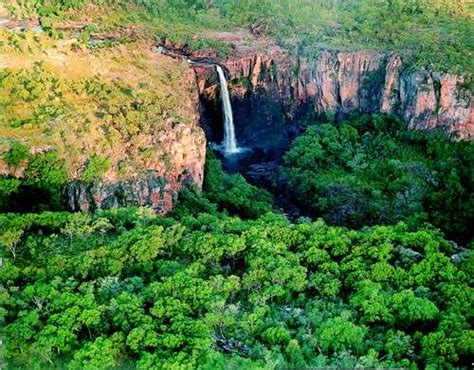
(151, 190)
(342, 83)
(131, 134)
(180, 163)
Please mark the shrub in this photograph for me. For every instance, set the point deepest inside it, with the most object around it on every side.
(95, 169)
(17, 153)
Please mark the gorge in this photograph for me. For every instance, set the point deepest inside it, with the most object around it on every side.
(221, 184)
(273, 91)
(274, 87)
(270, 92)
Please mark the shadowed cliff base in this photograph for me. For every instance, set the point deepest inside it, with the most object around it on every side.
(271, 86)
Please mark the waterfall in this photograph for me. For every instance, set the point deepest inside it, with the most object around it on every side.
(229, 144)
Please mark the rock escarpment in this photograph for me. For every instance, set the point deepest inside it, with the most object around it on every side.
(270, 88)
(114, 127)
(179, 163)
(176, 158)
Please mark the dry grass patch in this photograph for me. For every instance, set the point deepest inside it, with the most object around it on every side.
(113, 101)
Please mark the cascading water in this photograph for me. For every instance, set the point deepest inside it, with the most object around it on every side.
(230, 143)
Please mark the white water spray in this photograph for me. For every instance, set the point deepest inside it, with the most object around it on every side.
(230, 143)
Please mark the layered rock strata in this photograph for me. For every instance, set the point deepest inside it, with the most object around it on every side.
(343, 83)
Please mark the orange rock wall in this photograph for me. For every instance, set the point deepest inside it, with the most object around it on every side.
(354, 82)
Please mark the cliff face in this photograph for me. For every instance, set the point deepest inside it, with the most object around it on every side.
(180, 162)
(341, 83)
(177, 159)
(123, 123)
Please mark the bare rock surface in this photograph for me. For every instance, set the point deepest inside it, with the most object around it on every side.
(343, 83)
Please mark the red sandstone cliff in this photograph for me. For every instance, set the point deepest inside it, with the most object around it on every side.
(156, 183)
(347, 82)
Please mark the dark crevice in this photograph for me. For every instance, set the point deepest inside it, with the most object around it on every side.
(437, 91)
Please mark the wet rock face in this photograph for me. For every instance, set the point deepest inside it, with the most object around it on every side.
(269, 89)
(261, 102)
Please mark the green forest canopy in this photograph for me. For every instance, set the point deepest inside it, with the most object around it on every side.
(225, 282)
(129, 288)
(372, 170)
(436, 33)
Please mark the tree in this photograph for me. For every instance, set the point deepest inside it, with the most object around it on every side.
(338, 334)
(102, 353)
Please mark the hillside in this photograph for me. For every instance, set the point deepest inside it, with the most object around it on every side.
(438, 33)
(112, 114)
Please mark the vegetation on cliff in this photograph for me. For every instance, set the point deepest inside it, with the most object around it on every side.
(435, 33)
(69, 112)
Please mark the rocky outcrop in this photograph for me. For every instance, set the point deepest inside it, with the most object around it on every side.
(342, 83)
(131, 135)
(148, 190)
(180, 162)
(434, 100)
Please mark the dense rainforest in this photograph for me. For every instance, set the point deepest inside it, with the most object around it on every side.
(224, 281)
(376, 269)
(371, 170)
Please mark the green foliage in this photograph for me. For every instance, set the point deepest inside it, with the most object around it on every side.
(428, 32)
(44, 177)
(372, 170)
(338, 334)
(33, 98)
(46, 171)
(102, 353)
(45, 174)
(8, 186)
(437, 32)
(232, 192)
(95, 169)
(129, 288)
(17, 154)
